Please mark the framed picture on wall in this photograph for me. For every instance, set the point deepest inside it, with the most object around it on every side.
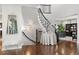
(12, 24)
(46, 9)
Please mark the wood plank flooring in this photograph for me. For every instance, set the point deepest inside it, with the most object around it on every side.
(63, 48)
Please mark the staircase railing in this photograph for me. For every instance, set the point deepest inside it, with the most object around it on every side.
(28, 38)
(44, 21)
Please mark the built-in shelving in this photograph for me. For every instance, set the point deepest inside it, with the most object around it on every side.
(71, 30)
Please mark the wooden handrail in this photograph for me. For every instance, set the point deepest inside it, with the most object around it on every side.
(28, 38)
(40, 11)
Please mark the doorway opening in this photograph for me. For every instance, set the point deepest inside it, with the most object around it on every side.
(70, 29)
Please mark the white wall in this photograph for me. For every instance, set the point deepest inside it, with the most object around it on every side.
(11, 41)
(30, 18)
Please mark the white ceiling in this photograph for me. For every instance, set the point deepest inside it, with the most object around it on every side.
(60, 10)
(64, 10)
(31, 5)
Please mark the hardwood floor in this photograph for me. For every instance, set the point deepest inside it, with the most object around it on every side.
(63, 48)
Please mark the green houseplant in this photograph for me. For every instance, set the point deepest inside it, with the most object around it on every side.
(61, 30)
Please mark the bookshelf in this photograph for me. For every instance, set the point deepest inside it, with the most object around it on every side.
(74, 30)
(71, 30)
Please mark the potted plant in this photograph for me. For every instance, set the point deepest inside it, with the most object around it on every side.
(61, 30)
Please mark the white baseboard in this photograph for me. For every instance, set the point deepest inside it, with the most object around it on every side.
(11, 47)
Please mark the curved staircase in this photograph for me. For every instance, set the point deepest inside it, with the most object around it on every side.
(48, 31)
